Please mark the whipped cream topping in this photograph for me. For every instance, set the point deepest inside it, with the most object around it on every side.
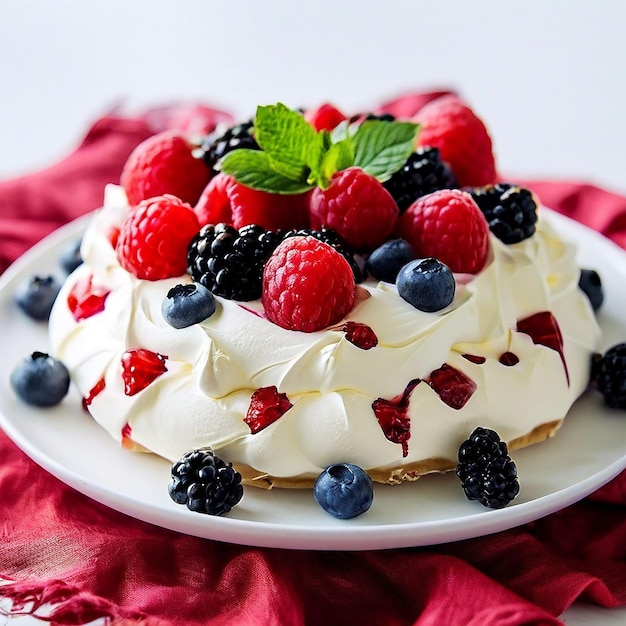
(213, 368)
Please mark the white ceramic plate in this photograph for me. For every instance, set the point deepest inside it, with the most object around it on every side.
(588, 451)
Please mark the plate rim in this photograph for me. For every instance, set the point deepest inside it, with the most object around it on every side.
(279, 535)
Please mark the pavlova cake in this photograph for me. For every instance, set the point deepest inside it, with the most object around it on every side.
(311, 295)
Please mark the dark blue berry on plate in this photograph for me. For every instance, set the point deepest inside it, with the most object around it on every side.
(187, 304)
(608, 376)
(36, 295)
(387, 260)
(427, 284)
(204, 483)
(40, 380)
(344, 490)
(486, 471)
(70, 257)
(591, 283)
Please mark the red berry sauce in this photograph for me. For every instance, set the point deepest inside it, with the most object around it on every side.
(509, 359)
(474, 358)
(544, 330)
(140, 367)
(361, 335)
(93, 392)
(393, 418)
(85, 299)
(266, 406)
(452, 386)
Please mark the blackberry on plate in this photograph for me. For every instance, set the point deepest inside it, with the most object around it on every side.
(423, 172)
(608, 376)
(215, 146)
(336, 241)
(205, 483)
(510, 210)
(230, 262)
(486, 470)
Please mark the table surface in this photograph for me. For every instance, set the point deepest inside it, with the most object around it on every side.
(550, 84)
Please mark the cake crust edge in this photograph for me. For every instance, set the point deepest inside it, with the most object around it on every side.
(391, 476)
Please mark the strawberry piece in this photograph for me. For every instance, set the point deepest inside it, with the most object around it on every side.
(224, 200)
(272, 211)
(154, 237)
(357, 207)
(213, 206)
(325, 117)
(266, 406)
(307, 285)
(462, 139)
(452, 386)
(449, 226)
(393, 416)
(140, 367)
(164, 164)
(86, 299)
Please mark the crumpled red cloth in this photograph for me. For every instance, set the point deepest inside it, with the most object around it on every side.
(71, 560)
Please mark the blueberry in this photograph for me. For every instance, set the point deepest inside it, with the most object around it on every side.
(36, 295)
(70, 257)
(188, 304)
(40, 380)
(591, 284)
(427, 284)
(344, 490)
(387, 260)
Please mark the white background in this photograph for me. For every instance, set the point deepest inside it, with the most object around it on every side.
(548, 77)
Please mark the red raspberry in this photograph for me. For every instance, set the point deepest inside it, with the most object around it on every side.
(164, 164)
(325, 117)
(153, 239)
(307, 285)
(449, 226)
(462, 139)
(225, 200)
(357, 207)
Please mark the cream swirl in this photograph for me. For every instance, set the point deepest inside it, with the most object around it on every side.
(213, 368)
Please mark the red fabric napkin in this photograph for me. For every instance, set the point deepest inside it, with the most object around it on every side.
(71, 560)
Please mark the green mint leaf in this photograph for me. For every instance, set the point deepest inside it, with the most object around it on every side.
(256, 169)
(381, 148)
(289, 140)
(339, 156)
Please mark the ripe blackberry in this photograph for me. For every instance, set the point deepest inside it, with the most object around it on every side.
(486, 470)
(423, 172)
(230, 262)
(204, 483)
(214, 147)
(608, 376)
(336, 241)
(510, 211)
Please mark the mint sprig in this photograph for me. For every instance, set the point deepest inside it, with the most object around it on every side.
(294, 157)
